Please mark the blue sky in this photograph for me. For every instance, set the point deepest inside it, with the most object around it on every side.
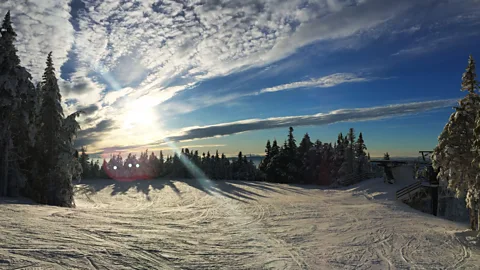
(229, 75)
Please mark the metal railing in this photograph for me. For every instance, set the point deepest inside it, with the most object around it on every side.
(408, 189)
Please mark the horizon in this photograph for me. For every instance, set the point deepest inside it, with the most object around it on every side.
(231, 76)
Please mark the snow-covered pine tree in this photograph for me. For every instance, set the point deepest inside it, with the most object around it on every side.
(294, 164)
(339, 159)
(83, 159)
(348, 166)
(266, 159)
(55, 151)
(305, 145)
(275, 148)
(455, 153)
(361, 162)
(17, 100)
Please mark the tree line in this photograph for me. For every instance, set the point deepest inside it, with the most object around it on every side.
(36, 139)
(344, 162)
(185, 164)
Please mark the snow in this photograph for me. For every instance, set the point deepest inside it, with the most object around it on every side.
(202, 224)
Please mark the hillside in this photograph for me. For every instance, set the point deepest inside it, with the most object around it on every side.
(163, 224)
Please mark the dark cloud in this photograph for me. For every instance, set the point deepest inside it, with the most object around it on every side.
(77, 87)
(93, 134)
(88, 109)
(86, 140)
(102, 126)
(344, 115)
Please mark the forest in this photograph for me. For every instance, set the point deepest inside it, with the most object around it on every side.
(36, 139)
(308, 163)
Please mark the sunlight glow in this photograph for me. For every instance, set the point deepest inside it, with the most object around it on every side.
(197, 173)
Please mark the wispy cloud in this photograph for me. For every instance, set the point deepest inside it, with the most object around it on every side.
(323, 82)
(41, 26)
(343, 115)
(409, 30)
(127, 57)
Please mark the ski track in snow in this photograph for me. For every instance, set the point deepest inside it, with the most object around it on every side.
(166, 224)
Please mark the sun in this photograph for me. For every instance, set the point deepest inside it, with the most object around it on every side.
(139, 115)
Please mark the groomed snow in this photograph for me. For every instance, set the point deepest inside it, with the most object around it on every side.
(162, 224)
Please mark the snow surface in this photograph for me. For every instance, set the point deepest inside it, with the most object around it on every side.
(193, 224)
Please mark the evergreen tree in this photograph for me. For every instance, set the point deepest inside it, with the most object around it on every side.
(386, 156)
(294, 164)
(83, 159)
(275, 149)
(17, 103)
(453, 156)
(360, 155)
(268, 155)
(350, 151)
(55, 145)
(304, 146)
(161, 164)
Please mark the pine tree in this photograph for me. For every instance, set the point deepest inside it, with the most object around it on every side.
(386, 156)
(305, 145)
(268, 156)
(294, 163)
(350, 152)
(454, 155)
(360, 155)
(17, 103)
(275, 149)
(55, 146)
(83, 159)
(291, 144)
(469, 81)
(161, 164)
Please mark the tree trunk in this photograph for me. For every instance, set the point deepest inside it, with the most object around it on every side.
(4, 165)
(472, 217)
(477, 217)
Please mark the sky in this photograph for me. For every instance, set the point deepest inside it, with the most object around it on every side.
(228, 75)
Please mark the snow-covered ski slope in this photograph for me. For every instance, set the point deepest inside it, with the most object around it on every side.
(162, 224)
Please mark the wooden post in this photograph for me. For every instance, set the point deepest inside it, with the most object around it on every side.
(434, 200)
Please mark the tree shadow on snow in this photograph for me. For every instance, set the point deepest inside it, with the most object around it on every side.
(242, 191)
(17, 200)
(89, 187)
(223, 188)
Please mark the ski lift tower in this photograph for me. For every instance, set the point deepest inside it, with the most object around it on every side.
(387, 167)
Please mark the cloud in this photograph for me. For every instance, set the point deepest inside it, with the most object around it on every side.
(135, 55)
(101, 126)
(409, 30)
(89, 109)
(196, 102)
(94, 134)
(343, 115)
(205, 39)
(431, 43)
(323, 82)
(42, 27)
